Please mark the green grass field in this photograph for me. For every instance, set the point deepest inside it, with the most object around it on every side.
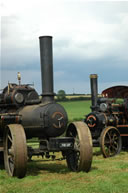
(77, 110)
(106, 176)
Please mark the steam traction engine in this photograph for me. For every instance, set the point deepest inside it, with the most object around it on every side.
(108, 121)
(23, 115)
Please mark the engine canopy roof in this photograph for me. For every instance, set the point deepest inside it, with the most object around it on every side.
(116, 92)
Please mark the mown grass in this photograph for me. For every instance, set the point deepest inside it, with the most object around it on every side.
(106, 175)
(76, 110)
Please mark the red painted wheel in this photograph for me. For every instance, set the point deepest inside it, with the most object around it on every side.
(110, 142)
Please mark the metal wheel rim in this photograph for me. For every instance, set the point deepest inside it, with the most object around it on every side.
(15, 151)
(82, 152)
(111, 143)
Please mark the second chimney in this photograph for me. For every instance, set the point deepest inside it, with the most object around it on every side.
(94, 90)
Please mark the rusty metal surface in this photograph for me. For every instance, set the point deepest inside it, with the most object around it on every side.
(116, 92)
(110, 142)
(15, 151)
(94, 90)
(81, 158)
(1, 148)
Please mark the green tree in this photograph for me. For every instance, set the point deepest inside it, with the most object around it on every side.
(61, 95)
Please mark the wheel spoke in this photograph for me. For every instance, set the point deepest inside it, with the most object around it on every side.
(10, 139)
(110, 142)
(107, 150)
(109, 136)
(77, 143)
(10, 159)
(11, 152)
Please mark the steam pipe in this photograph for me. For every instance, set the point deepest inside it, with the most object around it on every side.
(94, 90)
(46, 58)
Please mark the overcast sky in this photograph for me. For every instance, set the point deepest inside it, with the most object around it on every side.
(88, 37)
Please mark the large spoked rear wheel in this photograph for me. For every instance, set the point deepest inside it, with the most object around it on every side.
(80, 158)
(110, 142)
(15, 150)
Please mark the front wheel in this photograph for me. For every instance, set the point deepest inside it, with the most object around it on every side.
(15, 150)
(110, 142)
(80, 158)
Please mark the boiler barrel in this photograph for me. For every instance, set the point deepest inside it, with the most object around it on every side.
(49, 120)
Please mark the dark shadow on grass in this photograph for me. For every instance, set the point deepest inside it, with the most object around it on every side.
(35, 168)
(93, 168)
(124, 151)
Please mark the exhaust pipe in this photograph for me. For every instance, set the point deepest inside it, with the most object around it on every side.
(94, 90)
(46, 58)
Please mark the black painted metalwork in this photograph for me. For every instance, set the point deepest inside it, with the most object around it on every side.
(46, 56)
(109, 118)
(94, 90)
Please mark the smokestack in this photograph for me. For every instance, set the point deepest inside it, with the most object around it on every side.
(94, 90)
(46, 58)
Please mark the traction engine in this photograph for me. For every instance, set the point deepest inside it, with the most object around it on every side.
(24, 115)
(108, 121)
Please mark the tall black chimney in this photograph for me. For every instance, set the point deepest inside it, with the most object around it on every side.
(94, 90)
(46, 58)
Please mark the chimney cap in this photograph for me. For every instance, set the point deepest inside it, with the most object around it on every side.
(40, 37)
(93, 76)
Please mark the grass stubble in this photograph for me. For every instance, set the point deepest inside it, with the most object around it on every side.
(107, 175)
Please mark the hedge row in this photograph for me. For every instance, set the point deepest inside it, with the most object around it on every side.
(74, 99)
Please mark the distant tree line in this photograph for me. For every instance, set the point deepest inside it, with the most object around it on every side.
(61, 96)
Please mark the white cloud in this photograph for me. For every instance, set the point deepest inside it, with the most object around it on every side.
(82, 30)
